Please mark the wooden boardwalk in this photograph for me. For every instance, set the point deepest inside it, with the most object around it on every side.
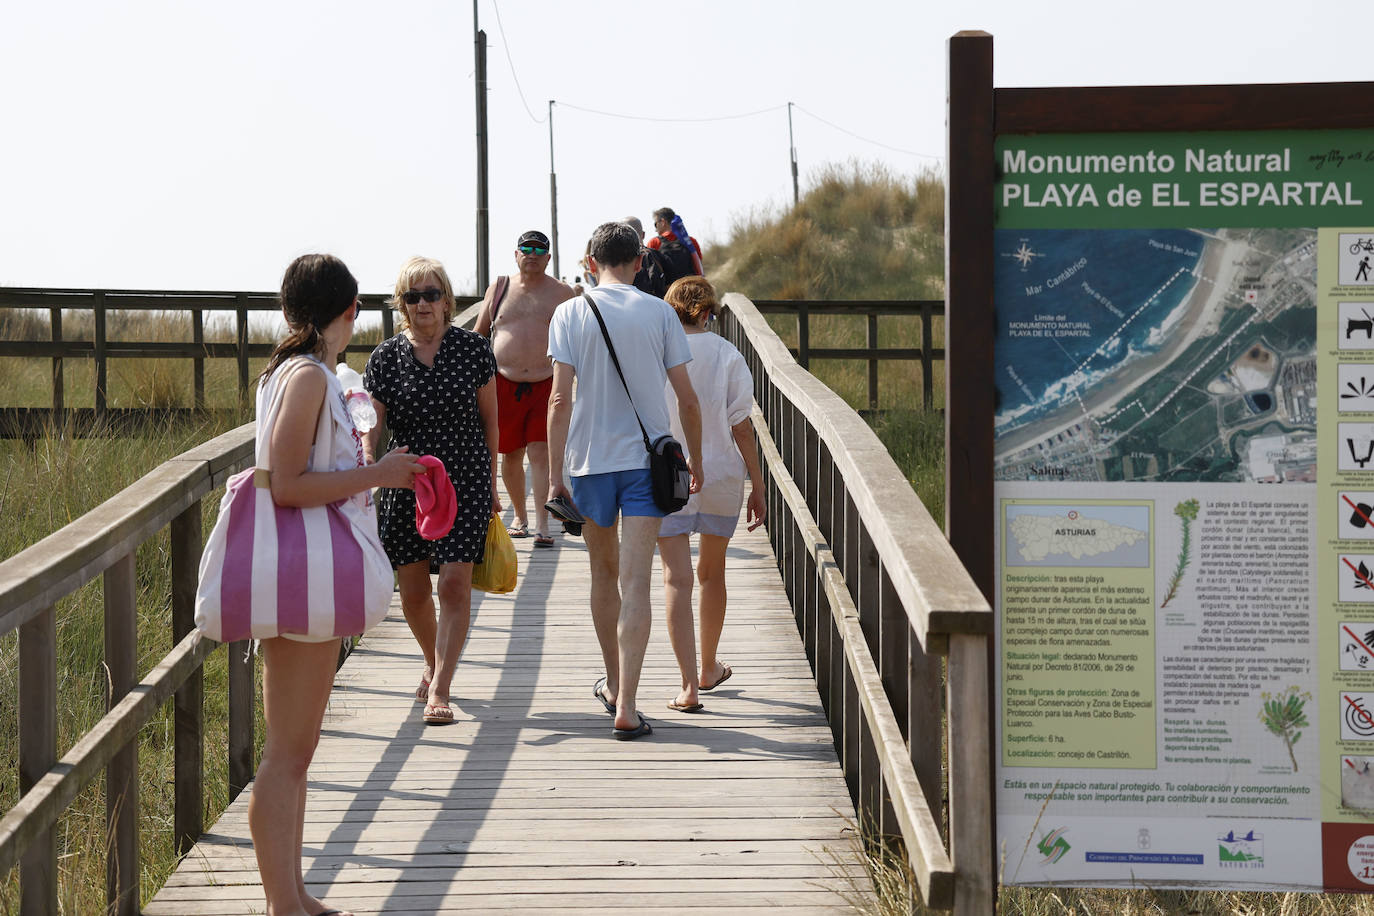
(527, 804)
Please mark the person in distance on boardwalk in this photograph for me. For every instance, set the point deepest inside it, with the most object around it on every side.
(433, 387)
(679, 253)
(725, 390)
(652, 277)
(515, 316)
(319, 300)
(598, 439)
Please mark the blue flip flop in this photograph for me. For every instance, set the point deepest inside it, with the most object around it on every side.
(639, 731)
(596, 692)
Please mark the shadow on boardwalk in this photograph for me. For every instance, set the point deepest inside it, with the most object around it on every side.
(527, 804)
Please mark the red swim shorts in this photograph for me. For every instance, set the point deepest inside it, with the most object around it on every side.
(522, 410)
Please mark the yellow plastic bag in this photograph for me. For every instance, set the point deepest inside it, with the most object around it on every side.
(496, 572)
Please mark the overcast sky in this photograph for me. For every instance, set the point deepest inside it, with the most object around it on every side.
(199, 145)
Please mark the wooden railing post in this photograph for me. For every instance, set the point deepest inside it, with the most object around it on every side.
(240, 716)
(98, 306)
(969, 331)
(388, 327)
(58, 393)
(803, 336)
(927, 355)
(241, 337)
(188, 716)
(970, 799)
(121, 774)
(198, 338)
(37, 754)
(872, 362)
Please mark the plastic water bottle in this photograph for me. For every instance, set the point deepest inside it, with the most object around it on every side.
(359, 401)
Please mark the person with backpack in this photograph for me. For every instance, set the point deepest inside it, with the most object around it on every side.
(680, 253)
(652, 277)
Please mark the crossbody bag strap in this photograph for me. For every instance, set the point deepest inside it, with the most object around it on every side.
(616, 362)
(498, 296)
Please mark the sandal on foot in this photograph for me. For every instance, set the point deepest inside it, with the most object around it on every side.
(639, 731)
(726, 671)
(438, 713)
(599, 686)
(517, 531)
(543, 540)
(686, 707)
(422, 692)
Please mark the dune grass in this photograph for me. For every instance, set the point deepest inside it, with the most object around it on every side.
(45, 486)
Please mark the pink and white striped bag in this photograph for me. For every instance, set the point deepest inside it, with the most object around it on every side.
(270, 570)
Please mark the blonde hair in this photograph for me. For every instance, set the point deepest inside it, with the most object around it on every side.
(412, 272)
(691, 298)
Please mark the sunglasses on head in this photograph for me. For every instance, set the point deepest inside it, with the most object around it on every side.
(532, 249)
(413, 296)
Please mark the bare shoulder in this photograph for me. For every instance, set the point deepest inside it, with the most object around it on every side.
(552, 293)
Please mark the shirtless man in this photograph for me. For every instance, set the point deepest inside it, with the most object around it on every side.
(522, 305)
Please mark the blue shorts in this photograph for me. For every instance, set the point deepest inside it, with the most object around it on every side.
(599, 497)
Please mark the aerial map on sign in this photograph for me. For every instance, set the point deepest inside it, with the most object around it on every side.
(1078, 535)
(1156, 355)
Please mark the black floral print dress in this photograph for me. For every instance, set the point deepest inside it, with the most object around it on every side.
(433, 410)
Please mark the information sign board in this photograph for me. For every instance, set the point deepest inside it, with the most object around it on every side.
(1184, 508)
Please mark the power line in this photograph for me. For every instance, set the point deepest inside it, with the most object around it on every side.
(627, 117)
(895, 149)
(502, 29)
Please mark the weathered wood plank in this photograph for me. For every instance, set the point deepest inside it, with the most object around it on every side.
(527, 803)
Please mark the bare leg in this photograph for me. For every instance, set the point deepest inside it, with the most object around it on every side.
(417, 604)
(711, 575)
(638, 535)
(455, 617)
(603, 550)
(539, 483)
(513, 476)
(297, 677)
(676, 552)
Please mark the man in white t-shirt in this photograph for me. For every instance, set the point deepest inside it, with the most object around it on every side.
(598, 440)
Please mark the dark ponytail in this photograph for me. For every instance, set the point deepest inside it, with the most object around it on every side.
(316, 289)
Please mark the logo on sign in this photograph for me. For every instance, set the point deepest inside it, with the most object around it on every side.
(1244, 851)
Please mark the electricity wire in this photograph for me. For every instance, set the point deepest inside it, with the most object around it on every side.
(895, 149)
(509, 60)
(626, 117)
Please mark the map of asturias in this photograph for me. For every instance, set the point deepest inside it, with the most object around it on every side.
(1039, 537)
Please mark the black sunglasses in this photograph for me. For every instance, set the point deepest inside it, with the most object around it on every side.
(532, 249)
(413, 296)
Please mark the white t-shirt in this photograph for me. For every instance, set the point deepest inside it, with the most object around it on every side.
(725, 389)
(649, 340)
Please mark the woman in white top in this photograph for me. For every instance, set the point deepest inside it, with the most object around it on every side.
(726, 392)
(319, 300)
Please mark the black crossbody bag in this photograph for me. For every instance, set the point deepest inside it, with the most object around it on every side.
(672, 480)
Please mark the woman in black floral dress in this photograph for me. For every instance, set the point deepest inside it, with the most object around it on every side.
(433, 387)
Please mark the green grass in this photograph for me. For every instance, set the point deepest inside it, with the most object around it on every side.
(44, 487)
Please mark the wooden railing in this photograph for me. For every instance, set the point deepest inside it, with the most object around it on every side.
(103, 542)
(882, 604)
(870, 310)
(883, 607)
(100, 302)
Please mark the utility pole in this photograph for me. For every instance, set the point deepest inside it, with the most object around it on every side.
(483, 234)
(553, 199)
(792, 146)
